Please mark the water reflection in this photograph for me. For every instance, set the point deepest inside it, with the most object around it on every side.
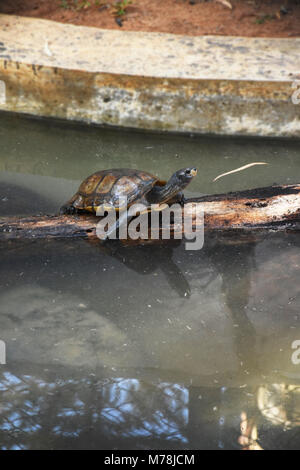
(129, 405)
(278, 411)
(114, 410)
(48, 411)
(95, 363)
(280, 404)
(249, 436)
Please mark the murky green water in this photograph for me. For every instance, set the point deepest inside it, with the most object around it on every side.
(145, 348)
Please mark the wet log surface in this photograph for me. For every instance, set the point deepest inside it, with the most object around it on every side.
(245, 213)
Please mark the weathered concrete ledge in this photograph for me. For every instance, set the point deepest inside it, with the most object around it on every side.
(222, 85)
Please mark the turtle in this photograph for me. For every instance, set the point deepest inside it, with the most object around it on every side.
(119, 188)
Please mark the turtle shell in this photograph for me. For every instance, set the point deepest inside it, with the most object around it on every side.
(112, 188)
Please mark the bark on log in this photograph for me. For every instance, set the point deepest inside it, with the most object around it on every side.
(275, 208)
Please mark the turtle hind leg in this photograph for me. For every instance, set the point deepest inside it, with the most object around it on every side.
(68, 209)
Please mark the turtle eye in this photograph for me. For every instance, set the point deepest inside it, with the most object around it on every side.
(190, 172)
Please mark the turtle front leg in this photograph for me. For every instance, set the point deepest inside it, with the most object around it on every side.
(179, 199)
(182, 200)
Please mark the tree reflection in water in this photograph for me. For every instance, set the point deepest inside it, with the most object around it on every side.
(128, 413)
(37, 413)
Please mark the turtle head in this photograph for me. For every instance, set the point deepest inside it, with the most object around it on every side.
(185, 176)
(174, 187)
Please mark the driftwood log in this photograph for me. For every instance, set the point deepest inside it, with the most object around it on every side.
(245, 213)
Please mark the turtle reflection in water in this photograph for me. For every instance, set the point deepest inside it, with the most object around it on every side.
(118, 189)
(146, 259)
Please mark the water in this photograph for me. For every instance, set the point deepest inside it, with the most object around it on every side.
(142, 347)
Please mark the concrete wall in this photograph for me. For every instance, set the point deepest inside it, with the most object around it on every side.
(157, 81)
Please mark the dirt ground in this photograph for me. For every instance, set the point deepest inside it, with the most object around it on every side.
(261, 18)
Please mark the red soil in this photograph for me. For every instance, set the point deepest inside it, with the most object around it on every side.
(261, 18)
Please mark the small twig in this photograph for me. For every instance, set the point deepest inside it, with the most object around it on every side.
(239, 169)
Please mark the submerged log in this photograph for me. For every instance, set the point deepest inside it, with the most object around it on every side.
(275, 208)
